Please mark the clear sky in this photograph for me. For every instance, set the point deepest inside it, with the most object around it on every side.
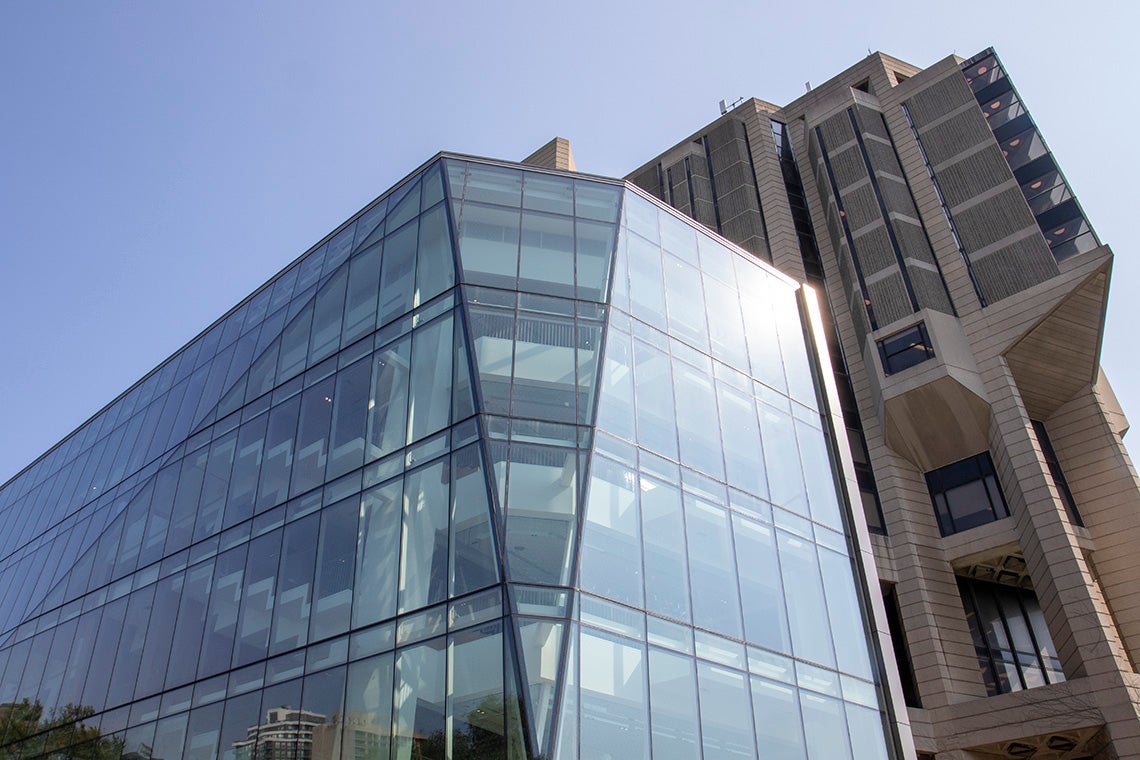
(162, 160)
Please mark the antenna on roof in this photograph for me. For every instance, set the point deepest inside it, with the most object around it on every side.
(725, 106)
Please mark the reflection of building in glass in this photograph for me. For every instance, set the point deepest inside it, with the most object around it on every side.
(286, 734)
(524, 463)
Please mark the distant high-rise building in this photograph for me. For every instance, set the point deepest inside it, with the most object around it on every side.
(965, 299)
(516, 463)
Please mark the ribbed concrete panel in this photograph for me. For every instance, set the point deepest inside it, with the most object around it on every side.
(861, 207)
(957, 134)
(875, 251)
(972, 175)
(930, 290)
(847, 166)
(938, 99)
(1014, 268)
(987, 222)
(912, 240)
(889, 299)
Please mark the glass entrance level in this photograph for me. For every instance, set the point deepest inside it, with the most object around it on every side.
(516, 463)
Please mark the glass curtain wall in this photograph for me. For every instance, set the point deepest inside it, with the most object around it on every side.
(515, 464)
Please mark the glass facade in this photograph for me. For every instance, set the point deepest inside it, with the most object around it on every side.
(516, 464)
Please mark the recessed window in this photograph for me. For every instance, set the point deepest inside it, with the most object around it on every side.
(1012, 642)
(905, 349)
(966, 494)
(902, 650)
(1057, 473)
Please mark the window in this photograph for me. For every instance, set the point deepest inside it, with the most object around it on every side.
(905, 349)
(1014, 648)
(1057, 473)
(966, 494)
(902, 650)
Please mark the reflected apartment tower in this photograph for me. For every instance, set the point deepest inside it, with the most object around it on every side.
(286, 734)
(515, 463)
(965, 296)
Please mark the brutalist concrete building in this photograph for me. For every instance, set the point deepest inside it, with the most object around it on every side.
(966, 292)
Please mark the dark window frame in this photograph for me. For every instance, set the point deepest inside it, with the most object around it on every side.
(948, 479)
(1058, 475)
(905, 348)
(988, 636)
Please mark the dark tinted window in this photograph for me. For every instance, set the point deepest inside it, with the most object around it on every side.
(966, 494)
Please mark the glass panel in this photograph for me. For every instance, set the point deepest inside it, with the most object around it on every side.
(403, 205)
(493, 184)
(368, 708)
(398, 274)
(743, 451)
(430, 404)
(222, 616)
(726, 720)
(377, 554)
(785, 481)
(156, 651)
(811, 638)
(493, 332)
(489, 245)
(388, 406)
(435, 270)
(656, 414)
(686, 302)
(273, 487)
(779, 729)
(615, 403)
(327, 313)
(332, 589)
(214, 486)
(594, 246)
(546, 262)
(423, 566)
(828, 734)
(646, 282)
(473, 559)
(544, 372)
(419, 706)
(362, 294)
(611, 537)
(716, 604)
(867, 733)
(240, 714)
(541, 513)
(541, 644)
(765, 620)
(548, 193)
(475, 713)
(322, 703)
(295, 344)
(203, 732)
(187, 637)
(312, 437)
(247, 466)
(349, 418)
(696, 415)
(614, 710)
(673, 700)
(760, 326)
(295, 585)
(844, 612)
(255, 614)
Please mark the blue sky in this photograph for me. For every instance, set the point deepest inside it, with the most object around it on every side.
(162, 160)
